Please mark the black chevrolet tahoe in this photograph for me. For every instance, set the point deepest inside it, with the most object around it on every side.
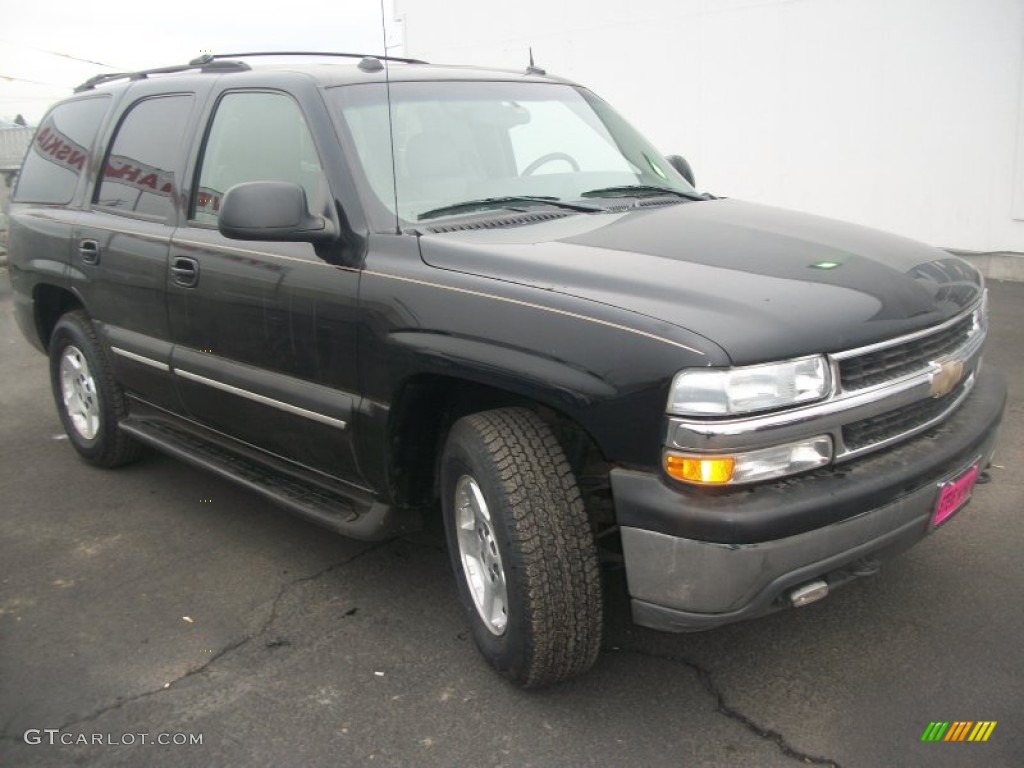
(372, 288)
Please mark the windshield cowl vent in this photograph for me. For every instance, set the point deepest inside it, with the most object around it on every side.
(657, 203)
(496, 222)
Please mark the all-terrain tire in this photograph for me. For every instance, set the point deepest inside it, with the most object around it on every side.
(514, 519)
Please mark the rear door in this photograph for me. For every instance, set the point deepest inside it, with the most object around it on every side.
(121, 241)
(264, 333)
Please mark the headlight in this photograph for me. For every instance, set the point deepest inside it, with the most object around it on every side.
(728, 391)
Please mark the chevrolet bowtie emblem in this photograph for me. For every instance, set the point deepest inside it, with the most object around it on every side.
(947, 375)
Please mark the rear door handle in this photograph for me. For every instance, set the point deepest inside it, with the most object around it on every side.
(89, 250)
(185, 271)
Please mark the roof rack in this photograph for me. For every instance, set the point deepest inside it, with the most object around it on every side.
(225, 62)
(203, 63)
(212, 57)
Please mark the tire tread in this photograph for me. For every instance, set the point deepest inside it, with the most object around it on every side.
(551, 539)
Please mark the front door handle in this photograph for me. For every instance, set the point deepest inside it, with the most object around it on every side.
(89, 250)
(185, 271)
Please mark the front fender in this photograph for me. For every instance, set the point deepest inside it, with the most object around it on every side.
(606, 368)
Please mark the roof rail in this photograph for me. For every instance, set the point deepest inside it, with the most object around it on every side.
(211, 57)
(203, 63)
(225, 62)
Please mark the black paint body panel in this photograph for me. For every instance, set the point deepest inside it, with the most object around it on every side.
(747, 276)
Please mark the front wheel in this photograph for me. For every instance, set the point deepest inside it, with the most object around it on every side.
(521, 547)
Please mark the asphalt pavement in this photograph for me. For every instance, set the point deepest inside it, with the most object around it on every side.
(157, 602)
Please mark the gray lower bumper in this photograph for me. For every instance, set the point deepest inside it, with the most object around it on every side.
(680, 584)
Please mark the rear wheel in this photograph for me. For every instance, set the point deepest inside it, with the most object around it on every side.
(521, 547)
(89, 400)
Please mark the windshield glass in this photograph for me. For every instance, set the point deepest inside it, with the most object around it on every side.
(456, 142)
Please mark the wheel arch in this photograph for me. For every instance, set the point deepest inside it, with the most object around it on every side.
(50, 303)
(426, 407)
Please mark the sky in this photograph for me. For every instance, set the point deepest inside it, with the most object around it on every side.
(47, 48)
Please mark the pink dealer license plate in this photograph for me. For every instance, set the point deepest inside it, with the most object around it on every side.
(953, 495)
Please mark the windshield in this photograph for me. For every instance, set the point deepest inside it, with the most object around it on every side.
(493, 143)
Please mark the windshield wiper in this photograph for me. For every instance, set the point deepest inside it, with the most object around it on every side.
(638, 190)
(505, 202)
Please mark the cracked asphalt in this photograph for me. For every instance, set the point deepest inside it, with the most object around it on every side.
(159, 599)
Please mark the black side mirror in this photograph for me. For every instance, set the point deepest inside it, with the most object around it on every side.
(679, 163)
(271, 210)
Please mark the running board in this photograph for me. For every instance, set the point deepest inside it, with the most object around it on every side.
(357, 519)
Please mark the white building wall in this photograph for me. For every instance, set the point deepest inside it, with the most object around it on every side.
(907, 115)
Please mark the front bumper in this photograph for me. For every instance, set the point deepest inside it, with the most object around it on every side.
(697, 560)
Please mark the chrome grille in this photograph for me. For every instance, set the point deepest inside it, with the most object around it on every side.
(895, 423)
(888, 363)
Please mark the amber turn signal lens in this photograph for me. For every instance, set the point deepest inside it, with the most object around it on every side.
(708, 470)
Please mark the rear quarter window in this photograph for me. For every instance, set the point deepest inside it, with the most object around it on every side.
(59, 150)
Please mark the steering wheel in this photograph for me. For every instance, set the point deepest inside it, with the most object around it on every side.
(550, 157)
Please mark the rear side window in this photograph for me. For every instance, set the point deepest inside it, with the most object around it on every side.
(257, 136)
(59, 152)
(138, 175)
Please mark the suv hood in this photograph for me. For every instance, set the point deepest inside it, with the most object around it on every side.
(760, 282)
